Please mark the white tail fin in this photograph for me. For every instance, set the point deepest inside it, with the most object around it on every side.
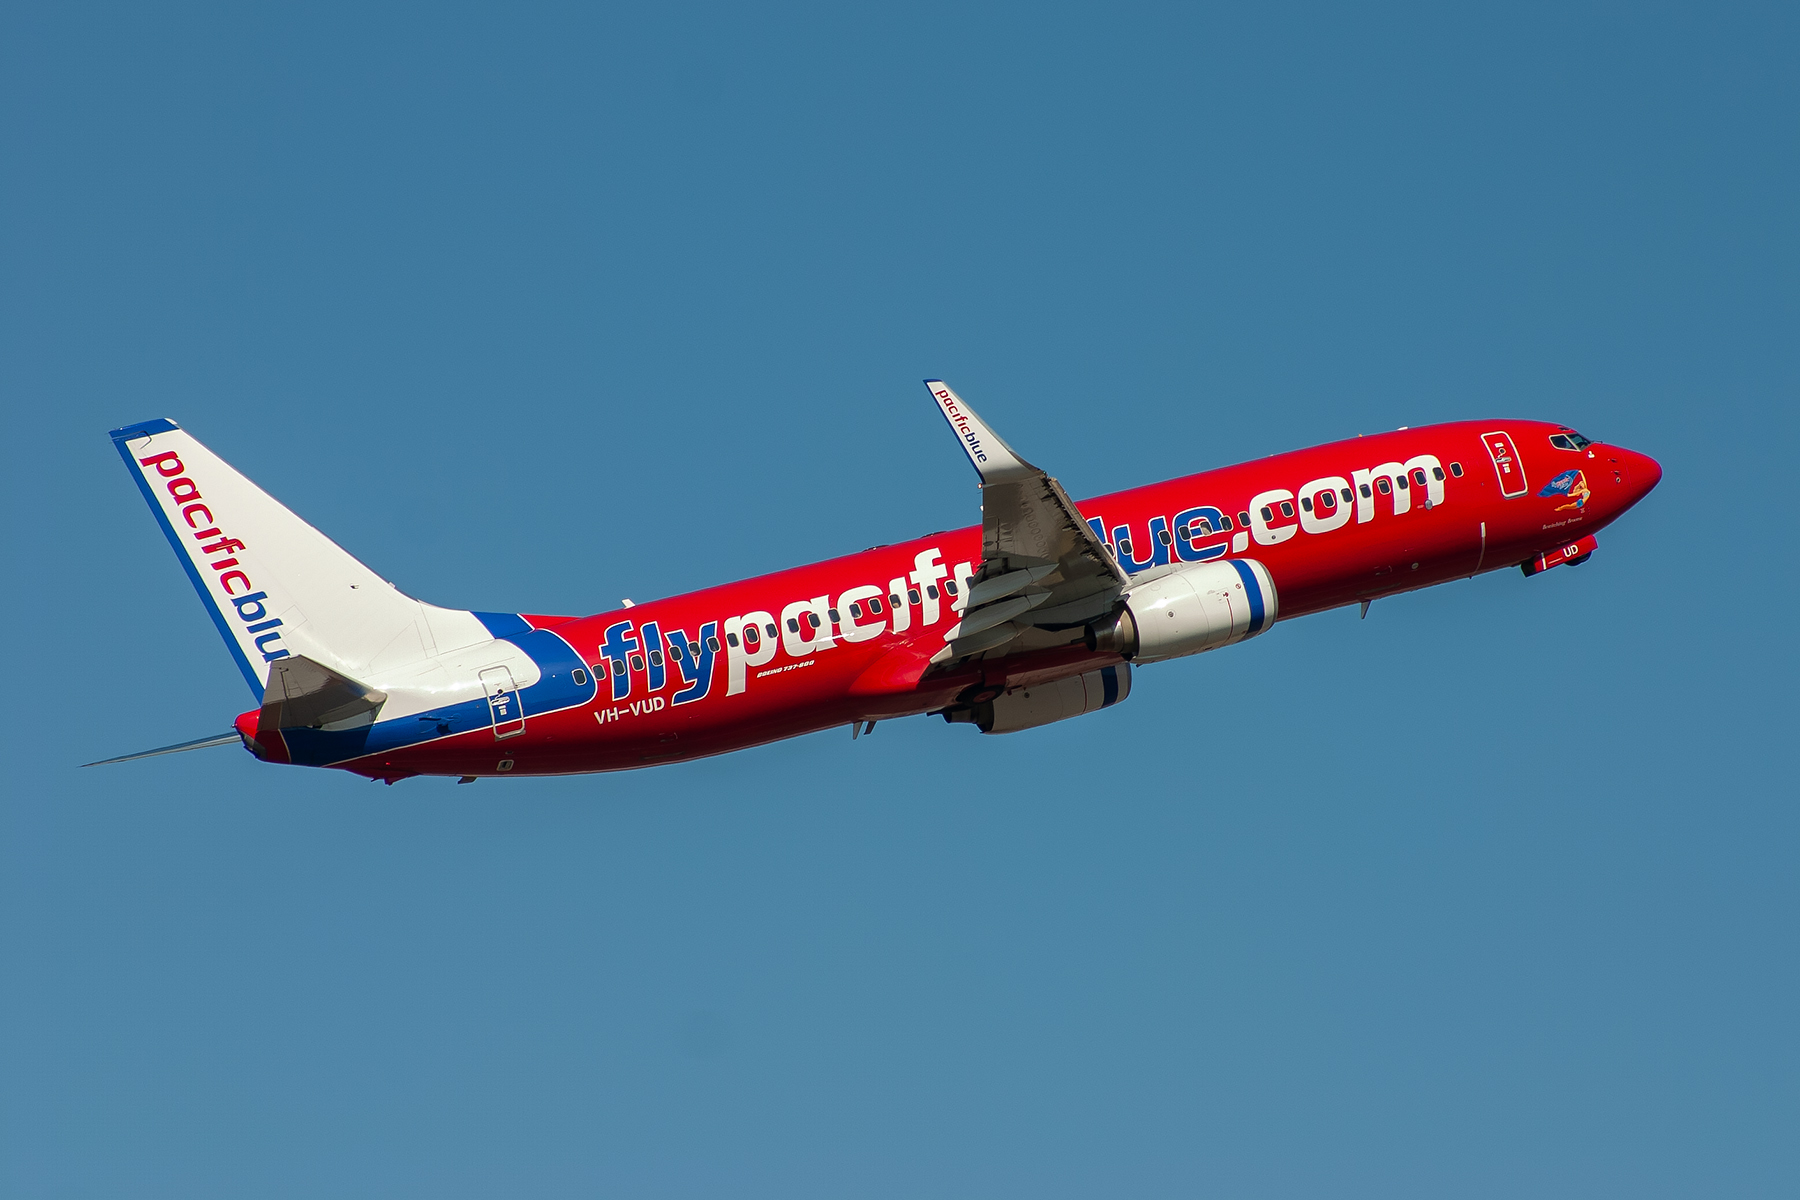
(275, 586)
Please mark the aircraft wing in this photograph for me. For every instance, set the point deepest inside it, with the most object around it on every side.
(1043, 570)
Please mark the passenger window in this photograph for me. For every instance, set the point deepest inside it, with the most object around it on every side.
(1306, 503)
(1244, 519)
(1381, 485)
(771, 628)
(812, 620)
(1268, 514)
(579, 676)
(833, 614)
(600, 669)
(912, 594)
(1225, 522)
(931, 590)
(1348, 495)
(856, 610)
(656, 658)
(793, 624)
(1419, 476)
(1124, 545)
(874, 605)
(1365, 491)
(950, 586)
(618, 666)
(637, 662)
(1162, 535)
(731, 639)
(1437, 473)
(1287, 508)
(1456, 469)
(1402, 482)
(712, 643)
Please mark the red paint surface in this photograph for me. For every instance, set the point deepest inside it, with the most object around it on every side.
(884, 676)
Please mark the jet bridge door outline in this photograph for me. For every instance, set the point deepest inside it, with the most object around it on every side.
(505, 707)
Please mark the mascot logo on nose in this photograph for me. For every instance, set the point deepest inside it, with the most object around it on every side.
(1571, 483)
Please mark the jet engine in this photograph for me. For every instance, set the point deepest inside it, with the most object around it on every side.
(1029, 707)
(1187, 609)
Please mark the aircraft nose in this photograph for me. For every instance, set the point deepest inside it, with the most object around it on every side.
(1645, 472)
(1641, 474)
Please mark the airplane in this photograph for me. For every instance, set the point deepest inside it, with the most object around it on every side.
(1040, 614)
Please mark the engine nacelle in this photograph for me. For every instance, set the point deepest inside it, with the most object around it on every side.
(1029, 707)
(1200, 606)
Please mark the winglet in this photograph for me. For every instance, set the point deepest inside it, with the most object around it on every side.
(992, 458)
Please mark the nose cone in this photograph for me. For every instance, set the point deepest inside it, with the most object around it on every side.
(1639, 473)
(1642, 472)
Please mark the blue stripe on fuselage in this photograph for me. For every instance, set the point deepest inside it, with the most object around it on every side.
(555, 690)
(503, 625)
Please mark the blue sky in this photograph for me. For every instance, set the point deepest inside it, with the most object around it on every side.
(1491, 894)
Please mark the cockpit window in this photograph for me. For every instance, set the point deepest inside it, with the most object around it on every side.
(1568, 439)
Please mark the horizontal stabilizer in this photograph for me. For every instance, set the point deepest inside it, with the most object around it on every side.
(197, 744)
(303, 694)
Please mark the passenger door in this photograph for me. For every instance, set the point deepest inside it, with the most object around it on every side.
(1507, 466)
(504, 706)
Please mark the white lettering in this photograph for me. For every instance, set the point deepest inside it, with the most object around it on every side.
(806, 626)
(1393, 472)
(964, 573)
(740, 653)
(902, 608)
(927, 571)
(1266, 534)
(1434, 486)
(848, 629)
(1315, 518)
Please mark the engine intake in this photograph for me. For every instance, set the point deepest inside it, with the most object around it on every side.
(1200, 606)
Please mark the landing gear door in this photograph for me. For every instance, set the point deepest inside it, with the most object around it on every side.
(504, 705)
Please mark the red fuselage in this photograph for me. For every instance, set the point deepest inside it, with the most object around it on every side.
(1332, 524)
